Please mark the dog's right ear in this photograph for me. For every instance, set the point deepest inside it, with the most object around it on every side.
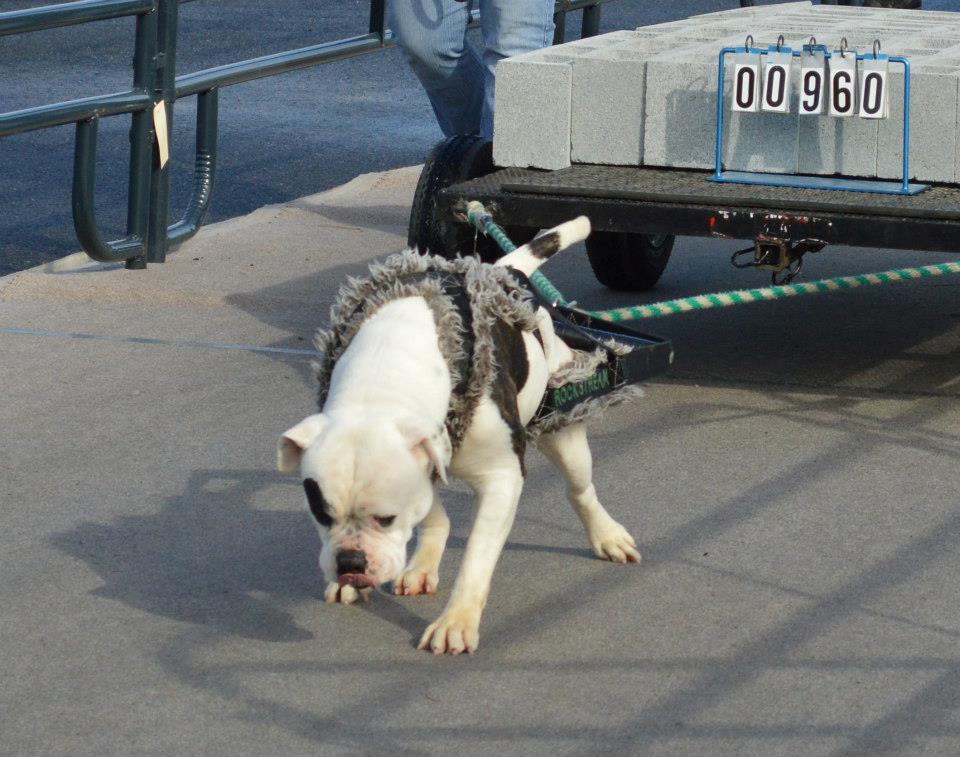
(295, 440)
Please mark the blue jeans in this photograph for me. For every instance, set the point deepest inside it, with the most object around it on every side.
(459, 83)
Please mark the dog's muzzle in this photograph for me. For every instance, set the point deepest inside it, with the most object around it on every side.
(352, 569)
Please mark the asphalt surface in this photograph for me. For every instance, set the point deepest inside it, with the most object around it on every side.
(792, 485)
(280, 138)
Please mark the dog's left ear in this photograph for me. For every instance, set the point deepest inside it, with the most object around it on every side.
(435, 443)
(295, 440)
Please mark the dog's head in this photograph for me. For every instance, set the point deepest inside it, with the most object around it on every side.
(367, 484)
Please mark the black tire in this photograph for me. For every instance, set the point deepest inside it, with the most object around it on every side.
(628, 262)
(454, 160)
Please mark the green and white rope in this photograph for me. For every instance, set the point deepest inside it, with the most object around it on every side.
(766, 294)
(484, 221)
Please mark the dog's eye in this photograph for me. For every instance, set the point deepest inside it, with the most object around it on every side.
(318, 505)
(384, 520)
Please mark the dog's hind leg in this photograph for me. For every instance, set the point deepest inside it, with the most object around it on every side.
(422, 572)
(569, 451)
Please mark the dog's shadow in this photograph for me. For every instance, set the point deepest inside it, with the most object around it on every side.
(210, 557)
(207, 557)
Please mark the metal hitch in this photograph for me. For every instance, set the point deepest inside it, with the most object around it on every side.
(777, 254)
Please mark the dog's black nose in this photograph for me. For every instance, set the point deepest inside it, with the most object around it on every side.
(351, 561)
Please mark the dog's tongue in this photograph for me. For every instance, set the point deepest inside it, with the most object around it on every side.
(356, 580)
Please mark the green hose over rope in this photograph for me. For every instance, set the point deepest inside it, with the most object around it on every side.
(482, 220)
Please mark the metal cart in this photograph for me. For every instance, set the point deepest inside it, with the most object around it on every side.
(635, 213)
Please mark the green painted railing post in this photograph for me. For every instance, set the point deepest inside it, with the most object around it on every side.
(164, 92)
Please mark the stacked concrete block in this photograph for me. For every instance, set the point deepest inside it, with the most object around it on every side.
(649, 97)
(531, 123)
(768, 142)
(533, 118)
(609, 89)
(933, 111)
(844, 146)
(681, 101)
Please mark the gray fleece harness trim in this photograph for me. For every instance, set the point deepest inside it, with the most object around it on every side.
(466, 298)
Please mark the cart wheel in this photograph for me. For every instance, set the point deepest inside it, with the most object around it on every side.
(456, 159)
(629, 262)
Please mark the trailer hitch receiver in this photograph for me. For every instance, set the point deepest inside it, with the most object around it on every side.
(778, 255)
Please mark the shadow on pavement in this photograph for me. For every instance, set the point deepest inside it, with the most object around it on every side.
(200, 559)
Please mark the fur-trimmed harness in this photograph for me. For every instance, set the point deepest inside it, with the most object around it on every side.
(467, 299)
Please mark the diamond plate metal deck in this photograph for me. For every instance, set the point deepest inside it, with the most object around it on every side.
(683, 202)
(694, 188)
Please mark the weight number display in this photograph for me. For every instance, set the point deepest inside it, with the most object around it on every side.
(775, 89)
(811, 91)
(873, 94)
(841, 93)
(745, 89)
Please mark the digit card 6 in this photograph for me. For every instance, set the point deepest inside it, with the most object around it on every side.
(843, 84)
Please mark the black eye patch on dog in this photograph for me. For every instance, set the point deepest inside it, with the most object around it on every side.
(545, 246)
(318, 505)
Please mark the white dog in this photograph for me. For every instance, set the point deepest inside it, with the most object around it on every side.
(427, 375)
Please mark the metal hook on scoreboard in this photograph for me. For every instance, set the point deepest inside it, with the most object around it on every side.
(843, 47)
(876, 48)
(812, 43)
(749, 43)
(780, 43)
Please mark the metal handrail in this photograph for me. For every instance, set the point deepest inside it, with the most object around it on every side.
(45, 116)
(279, 63)
(155, 86)
(70, 14)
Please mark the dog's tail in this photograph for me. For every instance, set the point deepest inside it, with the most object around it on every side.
(532, 255)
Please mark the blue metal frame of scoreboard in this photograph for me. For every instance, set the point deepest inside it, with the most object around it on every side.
(902, 187)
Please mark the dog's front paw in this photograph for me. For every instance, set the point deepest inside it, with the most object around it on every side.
(611, 541)
(345, 594)
(417, 580)
(455, 631)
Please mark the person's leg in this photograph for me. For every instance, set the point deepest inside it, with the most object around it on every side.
(510, 27)
(432, 34)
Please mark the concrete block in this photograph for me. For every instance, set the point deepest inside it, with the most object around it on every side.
(608, 106)
(934, 92)
(649, 97)
(761, 10)
(531, 122)
(843, 146)
(680, 111)
(766, 142)
(942, 40)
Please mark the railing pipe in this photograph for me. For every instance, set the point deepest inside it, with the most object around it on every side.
(30, 119)
(84, 191)
(590, 25)
(165, 97)
(141, 135)
(148, 235)
(378, 18)
(70, 14)
(276, 63)
(204, 170)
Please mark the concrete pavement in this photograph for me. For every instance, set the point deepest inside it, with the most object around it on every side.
(793, 485)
